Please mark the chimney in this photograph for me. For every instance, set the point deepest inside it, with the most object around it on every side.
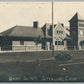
(35, 24)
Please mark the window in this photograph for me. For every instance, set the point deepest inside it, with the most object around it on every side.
(55, 42)
(62, 42)
(58, 42)
(61, 32)
(81, 25)
(81, 33)
(57, 32)
(21, 42)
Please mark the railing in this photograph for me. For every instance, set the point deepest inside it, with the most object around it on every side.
(25, 48)
(20, 48)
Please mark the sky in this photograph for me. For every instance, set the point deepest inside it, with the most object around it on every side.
(41, 0)
(25, 13)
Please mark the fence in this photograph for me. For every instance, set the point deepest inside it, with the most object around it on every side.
(25, 48)
(18, 48)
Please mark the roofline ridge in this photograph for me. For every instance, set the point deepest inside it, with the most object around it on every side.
(11, 30)
(22, 26)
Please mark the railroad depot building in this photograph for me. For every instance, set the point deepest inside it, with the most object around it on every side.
(25, 38)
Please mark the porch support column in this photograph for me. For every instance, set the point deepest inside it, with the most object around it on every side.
(74, 47)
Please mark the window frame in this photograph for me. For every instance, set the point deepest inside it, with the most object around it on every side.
(56, 42)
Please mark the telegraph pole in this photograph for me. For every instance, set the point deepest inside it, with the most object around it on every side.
(52, 30)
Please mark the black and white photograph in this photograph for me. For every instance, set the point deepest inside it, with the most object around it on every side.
(42, 41)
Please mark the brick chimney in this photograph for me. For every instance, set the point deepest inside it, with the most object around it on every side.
(35, 24)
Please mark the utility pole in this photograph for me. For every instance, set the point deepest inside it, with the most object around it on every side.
(52, 30)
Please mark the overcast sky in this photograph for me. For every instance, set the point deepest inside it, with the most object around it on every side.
(24, 13)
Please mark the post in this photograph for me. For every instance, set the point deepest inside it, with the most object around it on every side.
(0, 48)
(13, 48)
(52, 31)
(74, 47)
(25, 48)
(57, 45)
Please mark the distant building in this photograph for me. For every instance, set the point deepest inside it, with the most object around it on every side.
(77, 32)
(33, 38)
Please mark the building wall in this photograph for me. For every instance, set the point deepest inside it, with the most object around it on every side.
(74, 32)
(81, 35)
(47, 45)
(59, 36)
(77, 31)
(15, 42)
(27, 46)
(29, 43)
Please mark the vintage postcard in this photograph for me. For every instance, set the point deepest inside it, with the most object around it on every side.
(41, 41)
